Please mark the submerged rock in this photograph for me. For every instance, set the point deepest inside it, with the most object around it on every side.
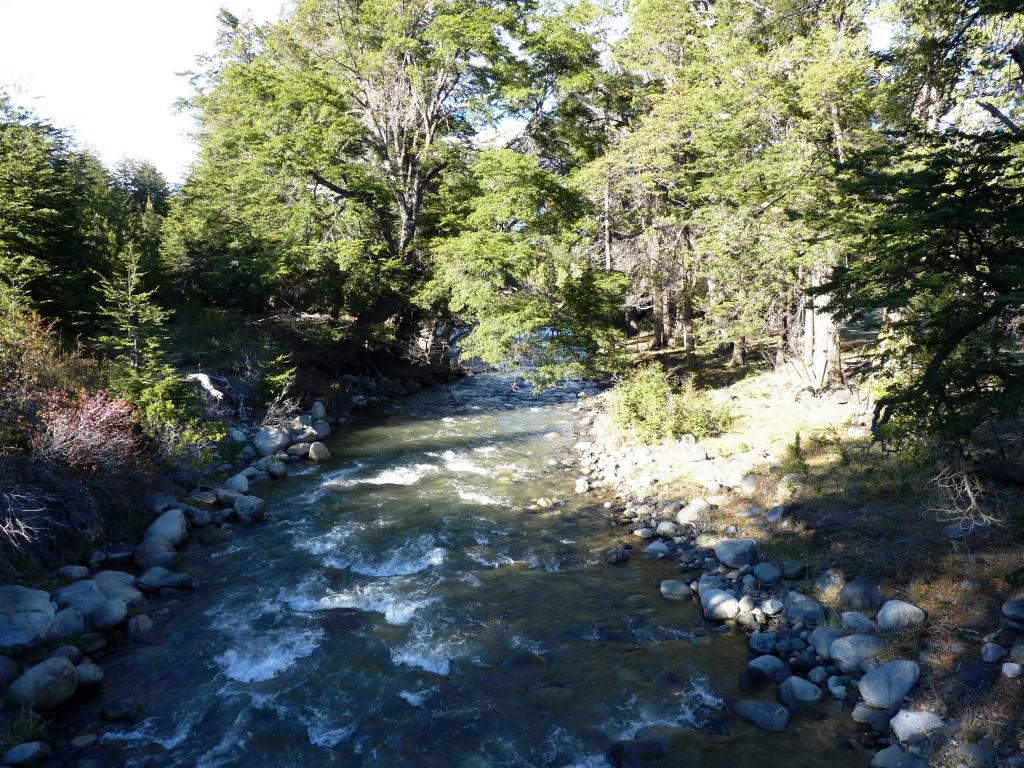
(766, 715)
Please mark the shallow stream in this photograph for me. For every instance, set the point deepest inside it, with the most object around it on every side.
(367, 623)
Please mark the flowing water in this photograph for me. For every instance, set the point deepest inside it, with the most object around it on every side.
(367, 623)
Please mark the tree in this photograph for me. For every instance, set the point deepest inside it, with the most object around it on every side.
(132, 320)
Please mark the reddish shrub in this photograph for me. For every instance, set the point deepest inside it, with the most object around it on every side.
(87, 434)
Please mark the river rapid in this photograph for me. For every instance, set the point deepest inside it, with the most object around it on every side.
(403, 607)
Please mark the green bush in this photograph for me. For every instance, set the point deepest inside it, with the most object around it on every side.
(655, 406)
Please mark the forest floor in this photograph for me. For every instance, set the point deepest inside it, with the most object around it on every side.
(861, 510)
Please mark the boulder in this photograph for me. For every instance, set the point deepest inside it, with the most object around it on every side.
(1011, 670)
(675, 590)
(299, 449)
(172, 526)
(84, 596)
(910, 726)
(322, 428)
(657, 549)
(73, 572)
(762, 642)
(226, 497)
(318, 452)
(858, 623)
(26, 618)
(157, 578)
(67, 623)
(666, 529)
(821, 639)
(861, 594)
(238, 483)
(303, 435)
(29, 753)
(270, 440)
(155, 550)
(766, 715)
(767, 573)
(120, 585)
(719, 605)
(893, 757)
(693, 513)
(277, 469)
(318, 411)
(1014, 609)
(800, 607)
(848, 652)
(899, 614)
(250, 509)
(886, 686)
(992, 652)
(772, 667)
(88, 674)
(140, 626)
(798, 694)
(45, 686)
(736, 553)
(112, 613)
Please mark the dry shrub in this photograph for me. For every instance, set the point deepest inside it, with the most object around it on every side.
(94, 433)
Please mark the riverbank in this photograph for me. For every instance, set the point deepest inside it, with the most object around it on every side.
(792, 527)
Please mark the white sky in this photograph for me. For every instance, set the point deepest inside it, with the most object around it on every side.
(105, 69)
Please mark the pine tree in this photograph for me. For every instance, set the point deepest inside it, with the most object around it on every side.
(132, 321)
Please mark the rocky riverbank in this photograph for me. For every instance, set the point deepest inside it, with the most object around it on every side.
(814, 635)
(54, 635)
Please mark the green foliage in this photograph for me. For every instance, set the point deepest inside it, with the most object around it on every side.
(650, 402)
(24, 727)
(794, 462)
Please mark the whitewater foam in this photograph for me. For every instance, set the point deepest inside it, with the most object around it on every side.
(378, 597)
(257, 662)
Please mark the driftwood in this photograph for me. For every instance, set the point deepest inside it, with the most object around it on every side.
(207, 382)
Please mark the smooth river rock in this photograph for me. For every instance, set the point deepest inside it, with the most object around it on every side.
(800, 607)
(899, 614)
(318, 452)
(910, 726)
(887, 685)
(736, 553)
(848, 652)
(45, 686)
(26, 617)
(171, 526)
(675, 590)
(250, 509)
(155, 550)
(798, 694)
(861, 594)
(30, 753)
(766, 715)
(270, 440)
(719, 605)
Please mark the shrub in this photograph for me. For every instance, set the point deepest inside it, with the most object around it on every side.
(651, 402)
(86, 434)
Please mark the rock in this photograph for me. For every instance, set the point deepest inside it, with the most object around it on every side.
(1014, 609)
(617, 555)
(122, 711)
(302, 434)
(26, 618)
(212, 535)
(582, 485)
(767, 573)
(772, 607)
(974, 755)
(799, 607)
(270, 440)
(8, 671)
(318, 411)
(766, 715)
(140, 626)
(121, 585)
(876, 719)
(892, 757)
(675, 590)
(992, 652)
(84, 596)
(155, 579)
(69, 652)
(748, 484)
(911, 726)
(762, 642)
(523, 658)
(886, 686)
(238, 483)
(110, 614)
(170, 526)
(821, 639)
(30, 753)
(45, 686)
(73, 572)
(645, 533)
(318, 452)
(861, 594)
(250, 509)
(1011, 669)
(818, 675)
(322, 428)
(200, 517)
(88, 674)
(67, 623)
(155, 551)
(226, 497)
(666, 529)
(719, 605)
(736, 553)
(693, 513)
(238, 435)
(277, 470)
(848, 652)
(798, 694)
(858, 623)
(772, 667)
(657, 549)
(775, 514)
(898, 614)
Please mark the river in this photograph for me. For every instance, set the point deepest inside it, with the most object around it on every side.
(403, 608)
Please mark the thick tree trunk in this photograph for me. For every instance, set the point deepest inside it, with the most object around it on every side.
(689, 340)
(667, 321)
(822, 353)
(739, 353)
(658, 318)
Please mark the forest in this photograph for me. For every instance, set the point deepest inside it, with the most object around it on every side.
(775, 244)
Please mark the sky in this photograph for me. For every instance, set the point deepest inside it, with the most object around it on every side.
(106, 69)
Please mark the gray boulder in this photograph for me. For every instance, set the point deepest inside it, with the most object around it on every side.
(73, 572)
(885, 687)
(29, 753)
(910, 726)
(88, 674)
(67, 623)
(772, 667)
(155, 579)
(848, 652)
(736, 553)
(109, 615)
(893, 757)
(318, 411)
(762, 642)
(861, 594)
(674, 590)
(303, 435)
(226, 497)
(299, 449)
(318, 452)
(1014, 609)
(800, 607)
(250, 509)
(238, 483)
(821, 639)
(693, 513)
(899, 614)
(719, 605)
(322, 428)
(277, 469)
(121, 586)
(992, 652)
(45, 686)
(84, 596)
(26, 618)
(767, 573)
(798, 694)
(140, 626)
(270, 440)
(172, 526)
(858, 623)
(155, 550)
(766, 715)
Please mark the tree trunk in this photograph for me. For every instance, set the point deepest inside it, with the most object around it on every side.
(667, 321)
(658, 318)
(689, 342)
(607, 226)
(739, 353)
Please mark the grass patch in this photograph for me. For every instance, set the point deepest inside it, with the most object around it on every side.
(25, 726)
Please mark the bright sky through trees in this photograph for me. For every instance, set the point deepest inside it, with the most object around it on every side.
(73, 63)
